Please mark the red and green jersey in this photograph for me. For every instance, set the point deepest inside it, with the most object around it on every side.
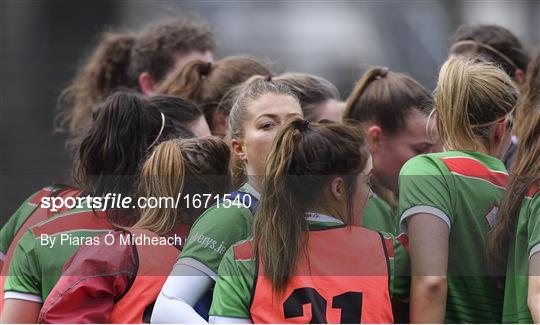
(43, 250)
(15, 222)
(464, 190)
(29, 214)
(526, 243)
(378, 215)
(20, 220)
(235, 290)
(214, 232)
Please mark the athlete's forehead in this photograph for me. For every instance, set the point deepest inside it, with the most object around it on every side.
(274, 106)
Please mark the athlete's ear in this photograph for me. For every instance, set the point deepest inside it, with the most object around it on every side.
(238, 149)
(500, 137)
(146, 83)
(337, 189)
(374, 137)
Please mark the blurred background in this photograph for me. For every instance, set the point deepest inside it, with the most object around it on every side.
(43, 42)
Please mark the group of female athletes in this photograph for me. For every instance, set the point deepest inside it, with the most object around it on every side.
(397, 205)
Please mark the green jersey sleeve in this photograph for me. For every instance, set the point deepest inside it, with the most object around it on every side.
(425, 186)
(212, 234)
(24, 271)
(234, 286)
(15, 222)
(534, 225)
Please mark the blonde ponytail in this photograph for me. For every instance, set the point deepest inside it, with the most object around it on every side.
(469, 98)
(162, 175)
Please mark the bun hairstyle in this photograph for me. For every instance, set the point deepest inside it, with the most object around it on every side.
(470, 97)
(494, 44)
(191, 167)
(311, 91)
(207, 84)
(104, 71)
(386, 98)
(304, 159)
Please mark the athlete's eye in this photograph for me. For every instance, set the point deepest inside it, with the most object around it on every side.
(421, 150)
(267, 125)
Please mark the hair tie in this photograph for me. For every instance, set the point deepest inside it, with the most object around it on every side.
(499, 120)
(303, 126)
(268, 78)
(160, 130)
(206, 69)
(382, 73)
(486, 47)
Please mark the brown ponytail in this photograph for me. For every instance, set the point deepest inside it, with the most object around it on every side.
(386, 98)
(530, 98)
(304, 159)
(207, 84)
(525, 173)
(104, 71)
(189, 167)
(117, 142)
(186, 82)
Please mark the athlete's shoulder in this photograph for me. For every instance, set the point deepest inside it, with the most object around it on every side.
(224, 215)
(426, 164)
(72, 220)
(530, 205)
(533, 194)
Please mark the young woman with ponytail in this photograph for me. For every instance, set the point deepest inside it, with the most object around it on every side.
(127, 60)
(499, 45)
(187, 118)
(182, 119)
(448, 201)
(393, 110)
(305, 251)
(261, 107)
(210, 85)
(514, 241)
(492, 43)
(105, 70)
(118, 283)
(125, 129)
